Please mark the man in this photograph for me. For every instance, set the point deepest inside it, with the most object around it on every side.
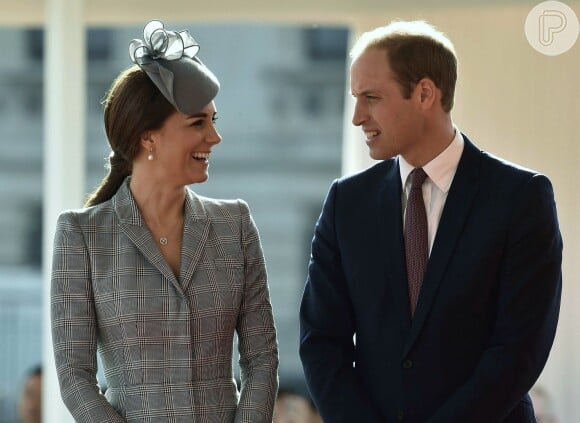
(435, 276)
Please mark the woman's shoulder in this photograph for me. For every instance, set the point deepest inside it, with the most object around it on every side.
(85, 215)
(218, 206)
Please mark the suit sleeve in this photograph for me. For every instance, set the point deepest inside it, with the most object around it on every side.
(327, 327)
(527, 313)
(74, 326)
(257, 343)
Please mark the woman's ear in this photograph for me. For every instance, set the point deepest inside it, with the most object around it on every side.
(148, 144)
(147, 140)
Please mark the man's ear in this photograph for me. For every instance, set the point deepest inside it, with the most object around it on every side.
(427, 93)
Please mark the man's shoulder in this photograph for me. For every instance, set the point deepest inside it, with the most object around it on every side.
(502, 180)
(504, 171)
(376, 172)
(499, 166)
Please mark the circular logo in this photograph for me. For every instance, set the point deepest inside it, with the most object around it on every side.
(552, 28)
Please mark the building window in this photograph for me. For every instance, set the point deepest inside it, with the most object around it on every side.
(98, 43)
(326, 43)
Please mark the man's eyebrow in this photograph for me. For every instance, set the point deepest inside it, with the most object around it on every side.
(362, 93)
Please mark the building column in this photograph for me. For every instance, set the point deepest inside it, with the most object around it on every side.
(64, 156)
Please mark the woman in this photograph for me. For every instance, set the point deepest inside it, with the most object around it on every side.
(155, 277)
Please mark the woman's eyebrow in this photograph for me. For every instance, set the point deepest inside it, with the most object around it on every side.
(197, 115)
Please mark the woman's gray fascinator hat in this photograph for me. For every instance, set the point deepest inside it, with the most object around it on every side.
(169, 59)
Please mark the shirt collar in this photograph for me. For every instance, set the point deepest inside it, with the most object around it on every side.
(442, 168)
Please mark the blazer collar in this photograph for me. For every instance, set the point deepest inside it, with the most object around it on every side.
(390, 226)
(125, 205)
(195, 233)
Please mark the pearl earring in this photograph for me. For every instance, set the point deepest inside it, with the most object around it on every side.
(150, 156)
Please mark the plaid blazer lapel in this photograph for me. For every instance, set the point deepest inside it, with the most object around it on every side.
(195, 234)
(132, 224)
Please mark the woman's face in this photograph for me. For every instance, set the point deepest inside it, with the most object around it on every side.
(181, 148)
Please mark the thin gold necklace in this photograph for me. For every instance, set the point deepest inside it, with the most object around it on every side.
(164, 240)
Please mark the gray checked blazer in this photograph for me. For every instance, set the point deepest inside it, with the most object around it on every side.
(166, 345)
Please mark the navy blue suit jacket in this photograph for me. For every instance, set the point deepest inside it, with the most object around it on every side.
(486, 316)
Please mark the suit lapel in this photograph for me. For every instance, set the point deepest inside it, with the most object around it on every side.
(390, 223)
(455, 212)
(195, 233)
(132, 224)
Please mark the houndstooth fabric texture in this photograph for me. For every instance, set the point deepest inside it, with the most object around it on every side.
(416, 238)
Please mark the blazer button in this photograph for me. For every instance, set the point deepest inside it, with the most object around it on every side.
(407, 364)
(400, 415)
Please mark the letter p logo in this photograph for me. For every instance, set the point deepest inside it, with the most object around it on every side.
(551, 22)
(552, 28)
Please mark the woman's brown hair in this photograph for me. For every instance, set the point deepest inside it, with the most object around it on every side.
(133, 105)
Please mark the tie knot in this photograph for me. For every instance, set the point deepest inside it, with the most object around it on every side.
(418, 176)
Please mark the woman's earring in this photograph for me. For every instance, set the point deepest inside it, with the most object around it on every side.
(150, 156)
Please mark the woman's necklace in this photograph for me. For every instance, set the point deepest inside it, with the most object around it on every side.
(164, 239)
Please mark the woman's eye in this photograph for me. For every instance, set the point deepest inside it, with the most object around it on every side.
(214, 119)
(197, 123)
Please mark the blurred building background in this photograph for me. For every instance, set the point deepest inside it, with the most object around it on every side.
(286, 134)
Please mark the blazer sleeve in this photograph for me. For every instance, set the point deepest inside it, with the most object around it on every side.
(74, 326)
(327, 327)
(527, 313)
(257, 343)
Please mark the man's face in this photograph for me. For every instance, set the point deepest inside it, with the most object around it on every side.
(390, 122)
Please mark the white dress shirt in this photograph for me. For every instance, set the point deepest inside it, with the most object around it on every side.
(440, 172)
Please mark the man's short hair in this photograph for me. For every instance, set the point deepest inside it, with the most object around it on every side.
(415, 50)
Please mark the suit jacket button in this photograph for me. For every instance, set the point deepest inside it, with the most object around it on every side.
(399, 415)
(407, 364)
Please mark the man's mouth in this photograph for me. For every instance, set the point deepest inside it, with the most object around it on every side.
(200, 156)
(371, 134)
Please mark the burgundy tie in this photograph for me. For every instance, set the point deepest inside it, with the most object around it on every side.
(416, 244)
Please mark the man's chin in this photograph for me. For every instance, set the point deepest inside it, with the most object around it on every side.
(381, 155)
